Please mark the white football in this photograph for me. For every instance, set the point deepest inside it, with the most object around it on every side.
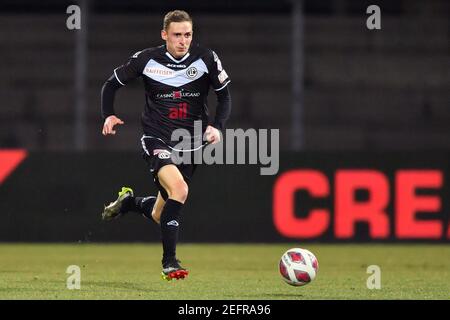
(298, 266)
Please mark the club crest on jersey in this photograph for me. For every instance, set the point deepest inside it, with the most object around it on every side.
(161, 153)
(191, 72)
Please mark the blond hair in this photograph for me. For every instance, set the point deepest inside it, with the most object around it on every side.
(176, 16)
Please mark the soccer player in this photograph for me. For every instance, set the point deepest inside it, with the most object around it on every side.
(177, 77)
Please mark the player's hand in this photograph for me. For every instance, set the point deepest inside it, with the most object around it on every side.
(108, 126)
(212, 135)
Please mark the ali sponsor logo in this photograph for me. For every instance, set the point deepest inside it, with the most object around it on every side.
(178, 112)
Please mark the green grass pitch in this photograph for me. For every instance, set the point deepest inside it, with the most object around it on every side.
(222, 271)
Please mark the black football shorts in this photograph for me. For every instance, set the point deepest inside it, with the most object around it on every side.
(157, 154)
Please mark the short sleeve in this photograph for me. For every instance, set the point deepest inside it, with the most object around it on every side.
(217, 74)
(132, 69)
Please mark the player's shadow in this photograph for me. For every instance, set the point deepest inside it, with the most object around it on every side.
(118, 285)
(271, 295)
(93, 285)
(283, 295)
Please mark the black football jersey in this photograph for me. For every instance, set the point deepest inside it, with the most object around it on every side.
(176, 90)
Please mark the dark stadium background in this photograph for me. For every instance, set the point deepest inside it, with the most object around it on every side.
(343, 97)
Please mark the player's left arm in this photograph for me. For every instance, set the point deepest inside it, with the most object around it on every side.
(223, 111)
(220, 83)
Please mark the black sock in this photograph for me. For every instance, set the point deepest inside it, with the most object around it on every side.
(170, 222)
(142, 205)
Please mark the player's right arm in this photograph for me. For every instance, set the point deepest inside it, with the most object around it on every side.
(108, 125)
(121, 76)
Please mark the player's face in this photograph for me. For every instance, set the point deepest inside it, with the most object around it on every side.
(178, 38)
